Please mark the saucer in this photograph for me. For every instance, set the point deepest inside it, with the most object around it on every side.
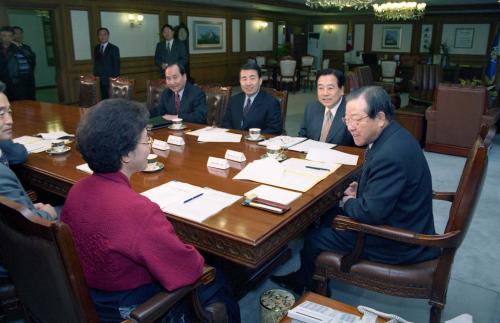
(171, 127)
(261, 137)
(51, 151)
(280, 158)
(159, 166)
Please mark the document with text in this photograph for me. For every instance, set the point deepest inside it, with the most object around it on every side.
(309, 144)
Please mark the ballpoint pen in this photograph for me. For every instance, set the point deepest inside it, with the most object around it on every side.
(317, 168)
(192, 198)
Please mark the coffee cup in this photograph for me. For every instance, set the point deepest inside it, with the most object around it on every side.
(58, 145)
(152, 162)
(274, 151)
(254, 133)
(177, 123)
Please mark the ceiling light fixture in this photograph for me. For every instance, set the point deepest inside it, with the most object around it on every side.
(340, 4)
(399, 10)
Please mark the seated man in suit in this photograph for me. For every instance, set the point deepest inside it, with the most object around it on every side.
(253, 108)
(182, 99)
(323, 118)
(394, 189)
(170, 51)
(106, 61)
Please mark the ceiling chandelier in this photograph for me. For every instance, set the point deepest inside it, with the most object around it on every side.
(399, 10)
(340, 4)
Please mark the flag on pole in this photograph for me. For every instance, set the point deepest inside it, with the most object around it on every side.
(492, 64)
(348, 46)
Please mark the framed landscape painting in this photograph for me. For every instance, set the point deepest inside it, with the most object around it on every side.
(207, 35)
(391, 37)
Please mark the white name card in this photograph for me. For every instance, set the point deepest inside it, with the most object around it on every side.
(235, 155)
(160, 145)
(175, 140)
(219, 163)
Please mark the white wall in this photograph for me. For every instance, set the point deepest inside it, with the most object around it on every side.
(256, 40)
(133, 42)
(406, 31)
(479, 43)
(45, 75)
(81, 34)
(359, 37)
(173, 20)
(335, 40)
(236, 35)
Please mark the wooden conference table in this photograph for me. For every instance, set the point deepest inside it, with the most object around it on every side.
(243, 235)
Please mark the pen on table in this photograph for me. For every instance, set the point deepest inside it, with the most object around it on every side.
(317, 168)
(192, 198)
(263, 206)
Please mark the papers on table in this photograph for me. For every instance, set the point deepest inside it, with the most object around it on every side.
(274, 194)
(189, 201)
(309, 144)
(332, 156)
(311, 312)
(206, 130)
(33, 144)
(283, 141)
(218, 136)
(291, 174)
(85, 168)
(55, 135)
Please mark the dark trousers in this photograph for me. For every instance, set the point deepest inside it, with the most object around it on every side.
(23, 89)
(104, 88)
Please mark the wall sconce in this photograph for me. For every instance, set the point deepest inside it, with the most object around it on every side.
(329, 28)
(135, 19)
(261, 25)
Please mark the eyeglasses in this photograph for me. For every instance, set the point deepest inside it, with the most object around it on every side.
(354, 122)
(149, 142)
(3, 112)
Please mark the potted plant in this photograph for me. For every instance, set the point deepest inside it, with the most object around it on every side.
(445, 58)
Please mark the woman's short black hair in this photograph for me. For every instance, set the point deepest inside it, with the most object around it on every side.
(377, 100)
(110, 130)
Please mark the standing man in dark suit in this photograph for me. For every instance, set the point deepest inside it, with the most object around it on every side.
(253, 108)
(394, 189)
(181, 99)
(106, 61)
(323, 118)
(28, 68)
(170, 51)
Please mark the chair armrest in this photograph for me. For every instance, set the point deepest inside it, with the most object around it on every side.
(447, 240)
(443, 196)
(158, 305)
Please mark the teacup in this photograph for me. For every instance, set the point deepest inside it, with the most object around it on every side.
(177, 123)
(274, 151)
(254, 133)
(58, 145)
(152, 162)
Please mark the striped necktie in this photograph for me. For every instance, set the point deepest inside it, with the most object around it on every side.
(327, 123)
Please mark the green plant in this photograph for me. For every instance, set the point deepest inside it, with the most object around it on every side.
(283, 50)
(473, 82)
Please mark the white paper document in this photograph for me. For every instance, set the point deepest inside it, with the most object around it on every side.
(309, 144)
(284, 142)
(55, 135)
(85, 168)
(219, 137)
(189, 201)
(274, 194)
(313, 312)
(33, 144)
(206, 130)
(332, 156)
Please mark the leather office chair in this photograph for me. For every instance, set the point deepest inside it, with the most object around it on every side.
(288, 72)
(455, 118)
(43, 264)
(154, 89)
(427, 280)
(217, 101)
(282, 97)
(121, 88)
(426, 78)
(90, 91)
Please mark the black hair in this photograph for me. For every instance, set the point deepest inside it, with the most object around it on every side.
(377, 100)
(251, 66)
(165, 26)
(18, 28)
(182, 70)
(7, 28)
(331, 71)
(103, 28)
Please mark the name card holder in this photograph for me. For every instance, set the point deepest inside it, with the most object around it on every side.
(160, 145)
(219, 163)
(235, 155)
(175, 140)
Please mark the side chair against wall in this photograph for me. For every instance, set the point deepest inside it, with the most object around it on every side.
(43, 264)
(154, 89)
(325, 63)
(90, 90)
(427, 280)
(265, 72)
(121, 88)
(217, 101)
(282, 97)
(307, 72)
(288, 72)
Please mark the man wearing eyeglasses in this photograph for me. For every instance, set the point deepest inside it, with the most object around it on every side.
(323, 118)
(394, 189)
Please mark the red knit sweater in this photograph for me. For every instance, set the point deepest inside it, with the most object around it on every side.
(123, 239)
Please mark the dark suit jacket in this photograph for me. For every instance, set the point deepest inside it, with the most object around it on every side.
(265, 113)
(15, 153)
(106, 65)
(178, 54)
(312, 123)
(395, 189)
(193, 104)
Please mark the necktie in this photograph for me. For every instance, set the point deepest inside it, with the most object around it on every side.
(177, 102)
(102, 49)
(247, 106)
(327, 123)
(168, 47)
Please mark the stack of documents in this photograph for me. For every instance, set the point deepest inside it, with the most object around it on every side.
(206, 130)
(55, 135)
(189, 201)
(219, 136)
(33, 144)
(311, 312)
(284, 142)
(309, 144)
(332, 156)
(274, 194)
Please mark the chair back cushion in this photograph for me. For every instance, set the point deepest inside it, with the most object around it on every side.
(282, 97)
(154, 89)
(217, 101)
(90, 91)
(121, 88)
(388, 69)
(307, 60)
(261, 60)
(326, 63)
(287, 68)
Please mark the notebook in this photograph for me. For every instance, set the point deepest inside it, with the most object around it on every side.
(159, 122)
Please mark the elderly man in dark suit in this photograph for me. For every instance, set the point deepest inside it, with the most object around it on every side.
(170, 51)
(394, 189)
(323, 118)
(181, 99)
(253, 108)
(106, 61)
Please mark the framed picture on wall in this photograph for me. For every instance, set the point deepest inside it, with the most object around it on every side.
(207, 34)
(464, 37)
(391, 37)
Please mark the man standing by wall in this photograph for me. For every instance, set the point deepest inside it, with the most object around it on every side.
(28, 63)
(106, 61)
(170, 51)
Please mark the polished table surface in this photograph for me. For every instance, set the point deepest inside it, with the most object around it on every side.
(243, 235)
